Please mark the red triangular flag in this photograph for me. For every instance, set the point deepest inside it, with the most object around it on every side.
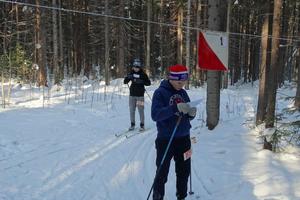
(207, 58)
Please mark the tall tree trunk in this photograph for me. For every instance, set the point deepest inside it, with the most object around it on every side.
(213, 77)
(297, 99)
(2, 88)
(106, 44)
(40, 46)
(5, 54)
(270, 117)
(225, 74)
(121, 53)
(262, 95)
(85, 40)
(161, 37)
(180, 33)
(55, 44)
(199, 72)
(148, 50)
(61, 50)
(282, 50)
(17, 23)
(188, 41)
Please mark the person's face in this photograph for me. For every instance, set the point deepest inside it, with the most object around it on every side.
(178, 85)
(136, 69)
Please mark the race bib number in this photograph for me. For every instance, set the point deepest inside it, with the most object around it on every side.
(193, 140)
(136, 76)
(140, 103)
(187, 154)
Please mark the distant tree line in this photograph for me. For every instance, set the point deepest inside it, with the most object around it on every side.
(42, 40)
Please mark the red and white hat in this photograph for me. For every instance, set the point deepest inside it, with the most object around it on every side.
(178, 73)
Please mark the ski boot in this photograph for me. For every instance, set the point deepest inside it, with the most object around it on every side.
(132, 126)
(142, 127)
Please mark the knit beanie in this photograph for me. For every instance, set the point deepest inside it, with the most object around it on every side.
(178, 73)
(137, 63)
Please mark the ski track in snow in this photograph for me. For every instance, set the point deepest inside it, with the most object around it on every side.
(88, 163)
(95, 153)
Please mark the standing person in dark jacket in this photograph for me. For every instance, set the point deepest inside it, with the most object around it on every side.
(168, 103)
(139, 80)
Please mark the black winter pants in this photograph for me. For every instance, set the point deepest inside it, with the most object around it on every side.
(182, 167)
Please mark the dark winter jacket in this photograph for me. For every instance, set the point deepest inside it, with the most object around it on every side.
(164, 111)
(138, 82)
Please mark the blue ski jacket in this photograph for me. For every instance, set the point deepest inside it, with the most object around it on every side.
(165, 113)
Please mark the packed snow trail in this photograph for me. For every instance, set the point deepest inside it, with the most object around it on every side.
(70, 152)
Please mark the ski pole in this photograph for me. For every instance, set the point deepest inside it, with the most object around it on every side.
(164, 156)
(193, 141)
(148, 95)
(191, 191)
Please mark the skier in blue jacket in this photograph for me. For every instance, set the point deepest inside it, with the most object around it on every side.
(169, 102)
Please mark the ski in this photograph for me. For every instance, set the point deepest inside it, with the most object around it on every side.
(123, 133)
(193, 197)
(137, 132)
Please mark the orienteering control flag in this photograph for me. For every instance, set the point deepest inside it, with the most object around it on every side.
(213, 51)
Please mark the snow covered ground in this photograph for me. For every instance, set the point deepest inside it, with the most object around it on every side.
(64, 148)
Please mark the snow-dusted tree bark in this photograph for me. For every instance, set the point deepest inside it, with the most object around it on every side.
(213, 77)
(272, 83)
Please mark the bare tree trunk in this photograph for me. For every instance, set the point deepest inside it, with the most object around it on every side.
(121, 53)
(2, 71)
(179, 34)
(282, 50)
(2, 87)
(188, 42)
(161, 36)
(148, 50)
(225, 73)
(61, 50)
(17, 23)
(297, 99)
(262, 95)
(106, 44)
(55, 45)
(270, 117)
(199, 72)
(39, 45)
(213, 77)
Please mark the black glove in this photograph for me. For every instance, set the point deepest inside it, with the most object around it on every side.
(129, 76)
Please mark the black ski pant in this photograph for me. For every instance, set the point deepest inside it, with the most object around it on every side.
(182, 167)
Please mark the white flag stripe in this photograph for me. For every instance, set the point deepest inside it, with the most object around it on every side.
(218, 42)
(182, 72)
